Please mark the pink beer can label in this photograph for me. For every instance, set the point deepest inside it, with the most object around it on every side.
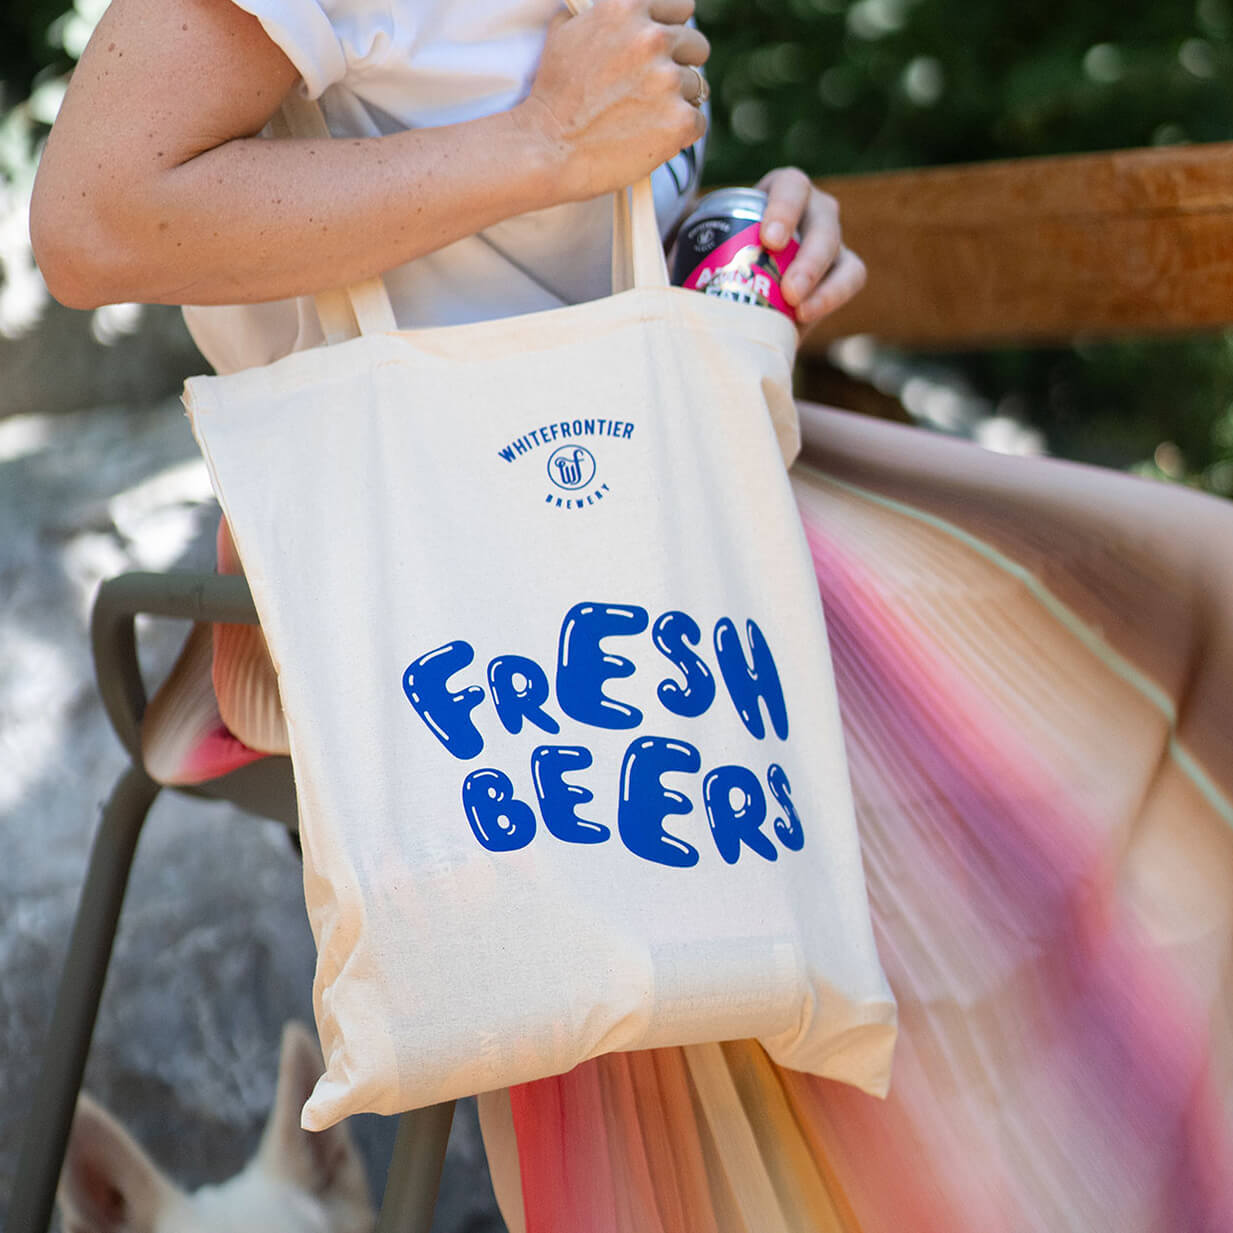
(719, 252)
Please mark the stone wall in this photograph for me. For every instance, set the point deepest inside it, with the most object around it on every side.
(69, 360)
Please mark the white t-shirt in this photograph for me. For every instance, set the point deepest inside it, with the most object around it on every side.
(379, 66)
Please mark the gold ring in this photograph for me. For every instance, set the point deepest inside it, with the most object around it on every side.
(704, 90)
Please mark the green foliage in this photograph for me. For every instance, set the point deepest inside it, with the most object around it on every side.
(25, 48)
(862, 85)
(838, 86)
(1163, 409)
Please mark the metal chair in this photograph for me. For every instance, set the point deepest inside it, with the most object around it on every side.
(264, 788)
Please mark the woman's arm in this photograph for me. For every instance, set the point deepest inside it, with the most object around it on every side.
(154, 186)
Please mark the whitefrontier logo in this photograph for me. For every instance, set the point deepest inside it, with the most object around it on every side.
(573, 469)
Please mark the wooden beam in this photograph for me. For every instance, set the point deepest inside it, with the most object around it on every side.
(1098, 245)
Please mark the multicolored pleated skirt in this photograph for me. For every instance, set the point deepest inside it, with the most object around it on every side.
(1035, 670)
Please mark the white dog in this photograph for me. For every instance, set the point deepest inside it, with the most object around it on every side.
(297, 1182)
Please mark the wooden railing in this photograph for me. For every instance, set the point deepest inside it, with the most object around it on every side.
(1130, 243)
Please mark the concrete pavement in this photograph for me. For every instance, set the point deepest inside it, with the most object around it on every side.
(214, 952)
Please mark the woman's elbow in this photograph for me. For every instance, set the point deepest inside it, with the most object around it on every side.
(70, 283)
(68, 259)
(80, 262)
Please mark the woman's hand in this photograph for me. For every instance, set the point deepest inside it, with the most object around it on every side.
(612, 93)
(823, 275)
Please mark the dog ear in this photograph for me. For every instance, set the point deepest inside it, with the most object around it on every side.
(108, 1184)
(326, 1163)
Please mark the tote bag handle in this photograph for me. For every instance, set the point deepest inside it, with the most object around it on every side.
(345, 312)
(637, 250)
(365, 308)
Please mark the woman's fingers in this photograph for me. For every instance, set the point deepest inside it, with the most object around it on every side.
(843, 280)
(671, 12)
(821, 241)
(691, 47)
(788, 194)
(694, 88)
(823, 274)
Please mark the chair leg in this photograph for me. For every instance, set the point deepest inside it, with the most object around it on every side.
(81, 986)
(415, 1170)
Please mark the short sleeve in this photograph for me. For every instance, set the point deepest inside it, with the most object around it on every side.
(324, 40)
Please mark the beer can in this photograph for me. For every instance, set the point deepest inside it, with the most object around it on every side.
(719, 253)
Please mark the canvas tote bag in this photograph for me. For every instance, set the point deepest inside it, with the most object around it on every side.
(570, 769)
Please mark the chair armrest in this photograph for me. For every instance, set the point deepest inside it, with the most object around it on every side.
(189, 596)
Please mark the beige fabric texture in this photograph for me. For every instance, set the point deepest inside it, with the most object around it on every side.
(412, 509)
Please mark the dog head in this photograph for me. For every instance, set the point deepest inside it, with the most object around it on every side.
(296, 1183)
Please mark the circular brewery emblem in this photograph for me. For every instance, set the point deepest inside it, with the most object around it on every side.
(571, 466)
